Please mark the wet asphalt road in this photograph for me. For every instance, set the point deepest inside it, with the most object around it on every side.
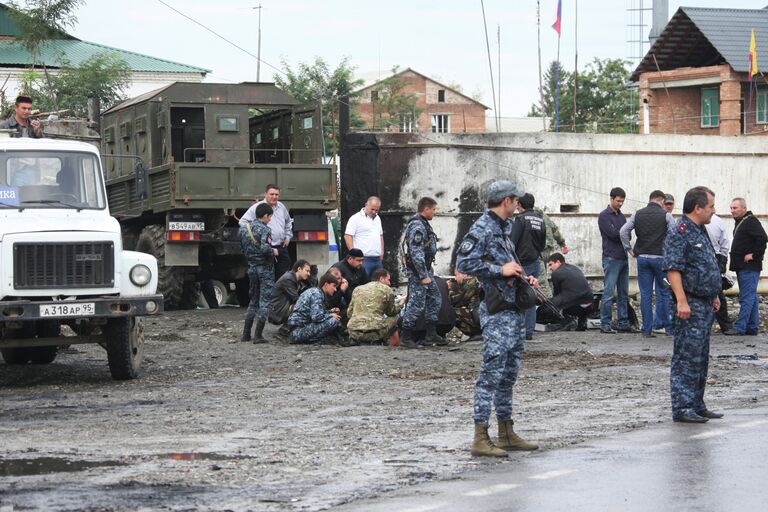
(721, 465)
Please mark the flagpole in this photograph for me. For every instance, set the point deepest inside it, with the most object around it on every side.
(749, 107)
(557, 89)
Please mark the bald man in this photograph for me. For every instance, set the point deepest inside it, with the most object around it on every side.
(364, 232)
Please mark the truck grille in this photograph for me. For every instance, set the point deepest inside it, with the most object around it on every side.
(63, 265)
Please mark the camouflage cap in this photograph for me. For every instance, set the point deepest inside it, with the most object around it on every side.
(669, 199)
(498, 190)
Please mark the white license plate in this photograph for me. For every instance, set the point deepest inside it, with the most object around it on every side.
(59, 310)
(186, 226)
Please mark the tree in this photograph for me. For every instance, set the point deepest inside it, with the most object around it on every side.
(392, 106)
(104, 76)
(604, 102)
(315, 81)
(42, 20)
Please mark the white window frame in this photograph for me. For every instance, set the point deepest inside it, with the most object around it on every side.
(438, 127)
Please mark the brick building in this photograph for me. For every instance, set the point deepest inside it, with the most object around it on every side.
(701, 85)
(442, 109)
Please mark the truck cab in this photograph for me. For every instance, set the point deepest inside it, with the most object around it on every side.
(62, 259)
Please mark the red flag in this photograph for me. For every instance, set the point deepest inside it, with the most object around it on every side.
(556, 24)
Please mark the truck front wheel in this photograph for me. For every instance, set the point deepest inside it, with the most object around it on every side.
(125, 346)
(170, 280)
(19, 355)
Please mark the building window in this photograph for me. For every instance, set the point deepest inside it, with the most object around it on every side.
(226, 123)
(710, 107)
(374, 96)
(762, 105)
(406, 122)
(441, 123)
(441, 95)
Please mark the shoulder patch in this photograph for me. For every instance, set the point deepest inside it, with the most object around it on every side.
(682, 227)
(468, 244)
(418, 237)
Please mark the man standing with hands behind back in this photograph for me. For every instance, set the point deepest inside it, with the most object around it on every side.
(364, 232)
(694, 277)
(747, 251)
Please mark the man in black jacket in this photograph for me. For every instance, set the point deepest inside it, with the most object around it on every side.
(651, 225)
(287, 290)
(747, 251)
(529, 235)
(571, 291)
(353, 271)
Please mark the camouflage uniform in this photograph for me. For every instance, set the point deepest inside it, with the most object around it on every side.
(465, 299)
(688, 250)
(310, 320)
(555, 241)
(422, 246)
(372, 313)
(261, 260)
(483, 252)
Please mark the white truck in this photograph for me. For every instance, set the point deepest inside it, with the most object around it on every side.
(62, 260)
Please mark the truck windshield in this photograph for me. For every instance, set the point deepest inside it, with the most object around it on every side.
(49, 179)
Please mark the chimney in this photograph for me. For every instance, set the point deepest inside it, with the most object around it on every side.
(660, 19)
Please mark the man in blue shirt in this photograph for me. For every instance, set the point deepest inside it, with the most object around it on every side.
(615, 265)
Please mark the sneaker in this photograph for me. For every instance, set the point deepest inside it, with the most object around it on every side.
(627, 330)
(606, 329)
(660, 330)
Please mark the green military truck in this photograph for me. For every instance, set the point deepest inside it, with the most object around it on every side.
(184, 162)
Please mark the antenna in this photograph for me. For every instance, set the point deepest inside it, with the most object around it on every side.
(639, 15)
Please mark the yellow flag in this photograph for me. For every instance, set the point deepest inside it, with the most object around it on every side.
(752, 56)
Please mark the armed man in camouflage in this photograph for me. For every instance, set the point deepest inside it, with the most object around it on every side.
(373, 310)
(694, 275)
(420, 247)
(310, 321)
(555, 243)
(256, 243)
(487, 253)
(464, 294)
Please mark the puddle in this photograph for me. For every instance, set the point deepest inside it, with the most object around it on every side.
(48, 465)
(203, 456)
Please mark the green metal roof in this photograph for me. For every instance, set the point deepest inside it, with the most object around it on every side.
(13, 54)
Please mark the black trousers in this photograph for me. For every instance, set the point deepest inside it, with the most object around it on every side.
(721, 316)
(283, 261)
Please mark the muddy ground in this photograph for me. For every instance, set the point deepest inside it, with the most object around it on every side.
(213, 424)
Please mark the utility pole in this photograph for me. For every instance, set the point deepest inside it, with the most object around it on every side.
(258, 48)
(541, 87)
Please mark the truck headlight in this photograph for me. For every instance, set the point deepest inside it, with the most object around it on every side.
(140, 275)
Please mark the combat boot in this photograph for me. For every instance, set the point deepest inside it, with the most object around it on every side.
(510, 441)
(432, 338)
(259, 332)
(406, 339)
(247, 329)
(482, 446)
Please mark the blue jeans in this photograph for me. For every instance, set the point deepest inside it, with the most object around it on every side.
(532, 269)
(616, 278)
(749, 315)
(649, 272)
(371, 263)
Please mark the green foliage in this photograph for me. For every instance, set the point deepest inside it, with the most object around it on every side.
(42, 20)
(103, 76)
(316, 81)
(391, 105)
(604, 102)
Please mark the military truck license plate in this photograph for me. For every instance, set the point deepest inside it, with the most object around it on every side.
(186, 226)
(59, 310)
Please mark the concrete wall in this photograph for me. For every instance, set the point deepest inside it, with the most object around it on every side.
(565, 172)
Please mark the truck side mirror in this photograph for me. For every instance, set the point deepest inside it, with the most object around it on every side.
(141, 179)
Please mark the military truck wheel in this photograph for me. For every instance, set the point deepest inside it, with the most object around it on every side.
(170, 280)
(125, 346)
(15, 355)
(243, 291)
(221, 291)
(42, 355)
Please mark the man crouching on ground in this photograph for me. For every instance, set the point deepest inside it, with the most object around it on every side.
(310, 321)
(487, 253)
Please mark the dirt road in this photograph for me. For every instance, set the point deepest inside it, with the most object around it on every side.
(218, 425)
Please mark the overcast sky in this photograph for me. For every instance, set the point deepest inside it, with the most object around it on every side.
(441, 39)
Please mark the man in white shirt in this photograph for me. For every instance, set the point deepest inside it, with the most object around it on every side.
(364, 232)
(721, 242)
